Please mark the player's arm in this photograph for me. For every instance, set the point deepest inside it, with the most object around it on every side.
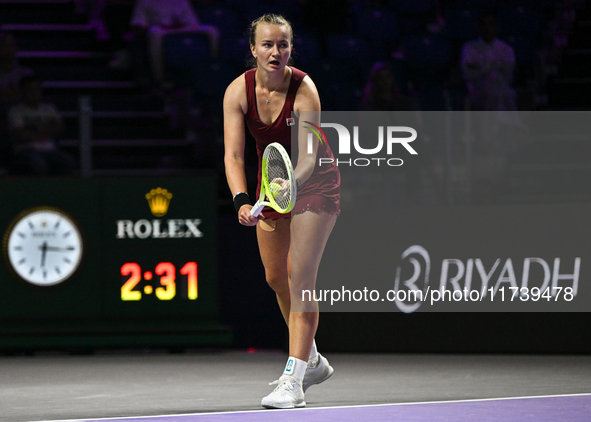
(235, 106)
(307, 109)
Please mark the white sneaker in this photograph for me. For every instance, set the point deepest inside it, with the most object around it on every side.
(317, 373)
(287, 395)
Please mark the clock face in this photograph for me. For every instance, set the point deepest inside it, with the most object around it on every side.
(44, 247)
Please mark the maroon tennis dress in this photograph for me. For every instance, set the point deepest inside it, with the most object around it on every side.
(321, 192)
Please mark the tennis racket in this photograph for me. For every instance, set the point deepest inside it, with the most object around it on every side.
(278, 184)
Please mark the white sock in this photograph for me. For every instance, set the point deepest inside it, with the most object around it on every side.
(296, 368)
(313, 354)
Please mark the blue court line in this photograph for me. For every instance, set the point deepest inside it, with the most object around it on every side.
(550, 408)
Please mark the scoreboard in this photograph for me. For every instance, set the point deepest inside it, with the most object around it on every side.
(119, 262)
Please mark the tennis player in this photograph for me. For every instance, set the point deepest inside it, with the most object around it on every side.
(291, 245)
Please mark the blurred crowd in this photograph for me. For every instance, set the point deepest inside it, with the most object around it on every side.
(362, 54)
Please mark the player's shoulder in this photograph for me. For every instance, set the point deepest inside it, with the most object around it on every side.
(306, 84)
(236, 91)
(307, 88)
(237, 85)
(307, 97)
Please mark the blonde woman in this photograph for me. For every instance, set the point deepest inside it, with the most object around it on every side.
(263, 99)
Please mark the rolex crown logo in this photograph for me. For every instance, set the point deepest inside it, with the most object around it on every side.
(159, 199)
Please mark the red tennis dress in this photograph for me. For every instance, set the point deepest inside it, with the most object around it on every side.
(321, 192)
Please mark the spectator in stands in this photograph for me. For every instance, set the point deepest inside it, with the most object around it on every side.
(487, 64)
(152, 20)
(382, 92)
(10, 71)
(95, 10)
(34, 126)
(10, 75)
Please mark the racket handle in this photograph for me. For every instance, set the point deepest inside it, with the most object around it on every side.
(256, 209)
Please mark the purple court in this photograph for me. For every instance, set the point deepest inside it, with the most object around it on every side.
(572, 408)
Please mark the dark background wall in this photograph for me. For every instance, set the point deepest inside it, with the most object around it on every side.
(249, 306)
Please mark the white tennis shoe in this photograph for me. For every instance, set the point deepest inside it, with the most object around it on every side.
(287, 395)
(317, 373)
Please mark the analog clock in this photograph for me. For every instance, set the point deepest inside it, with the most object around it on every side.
(43, 246)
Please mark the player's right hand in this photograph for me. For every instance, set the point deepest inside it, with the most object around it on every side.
(245, 217)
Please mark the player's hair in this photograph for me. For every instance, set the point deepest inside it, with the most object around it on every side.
(269, 19)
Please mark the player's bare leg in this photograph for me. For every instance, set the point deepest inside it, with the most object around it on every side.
(274, 250)
(309, 234)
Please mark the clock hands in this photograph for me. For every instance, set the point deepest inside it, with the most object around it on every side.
(55, 249)
(44, 248)
(43, 253)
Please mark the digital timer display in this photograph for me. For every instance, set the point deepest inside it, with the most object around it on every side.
(163, 286)
(132, 262)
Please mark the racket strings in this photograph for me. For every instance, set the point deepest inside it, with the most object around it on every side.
(277, 169)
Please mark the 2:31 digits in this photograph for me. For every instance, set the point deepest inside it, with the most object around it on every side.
(167, 273)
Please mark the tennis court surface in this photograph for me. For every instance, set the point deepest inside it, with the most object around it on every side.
(228, 386)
